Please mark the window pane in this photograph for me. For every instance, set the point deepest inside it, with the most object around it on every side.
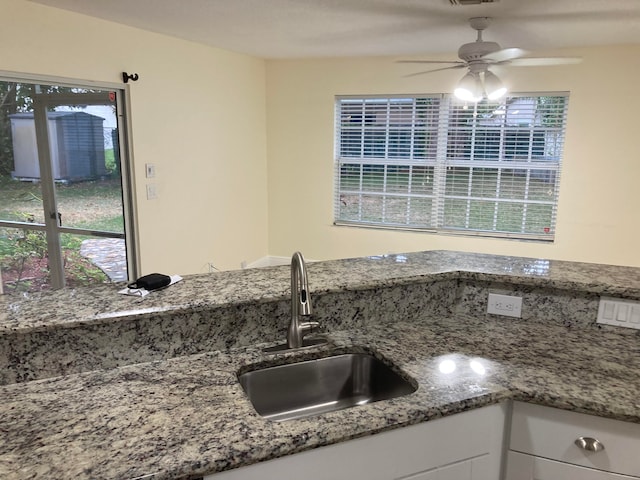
(480, 215)
(24, 260)
(486, 144)
(484, 182)
(374, 143)
(372, 178)
(420, 212)
(350, 176)
(398, 178)
(349, 207)
(92, 205)
(455, 213)
(509, 217)
(539, 219)
(89, 260)
(350, 143)
(20, 201)
(396, 210)
(457, 182)
(542, 185)
(513, 183)
(372, 208)
(422, 180)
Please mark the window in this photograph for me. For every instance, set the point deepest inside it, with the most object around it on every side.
(436, 164)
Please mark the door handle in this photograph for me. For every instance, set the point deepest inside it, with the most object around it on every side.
(54, 215)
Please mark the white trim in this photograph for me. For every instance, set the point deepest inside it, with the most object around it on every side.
(269, 261)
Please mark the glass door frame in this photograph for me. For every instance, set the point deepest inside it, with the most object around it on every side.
(52, 227)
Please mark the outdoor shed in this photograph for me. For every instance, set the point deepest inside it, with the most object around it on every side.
(76, 144)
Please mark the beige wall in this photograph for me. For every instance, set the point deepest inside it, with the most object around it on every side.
(204, 115)
(198, 114)
(599, 208)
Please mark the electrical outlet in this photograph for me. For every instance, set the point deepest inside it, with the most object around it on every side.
(508, 305)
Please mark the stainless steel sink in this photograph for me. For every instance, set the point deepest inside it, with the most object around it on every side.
(312, 387)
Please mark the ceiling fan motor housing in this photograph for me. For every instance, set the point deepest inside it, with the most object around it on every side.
(474, 51)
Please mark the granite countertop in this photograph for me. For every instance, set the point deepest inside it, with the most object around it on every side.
(184, 417)
(188, 416)
(67, 308)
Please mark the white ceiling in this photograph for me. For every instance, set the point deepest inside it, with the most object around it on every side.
(341, 28)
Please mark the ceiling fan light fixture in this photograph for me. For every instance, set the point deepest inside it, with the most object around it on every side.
(469, 88)
(493, 87)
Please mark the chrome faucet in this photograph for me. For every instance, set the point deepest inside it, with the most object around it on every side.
(300, 303)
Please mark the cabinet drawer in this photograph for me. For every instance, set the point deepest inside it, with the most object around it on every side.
(551, 433)
(527, 467)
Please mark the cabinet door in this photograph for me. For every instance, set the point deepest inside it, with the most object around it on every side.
(447, 448)
(478, 468)
(528, 467)
(457, 471)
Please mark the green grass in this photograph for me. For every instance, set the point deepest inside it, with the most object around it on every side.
(110, 160)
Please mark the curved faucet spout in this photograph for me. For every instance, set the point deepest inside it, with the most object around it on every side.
(300, 302)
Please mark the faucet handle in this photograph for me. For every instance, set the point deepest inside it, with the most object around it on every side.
(307, 327)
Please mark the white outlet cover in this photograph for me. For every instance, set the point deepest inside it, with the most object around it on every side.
(507, 305)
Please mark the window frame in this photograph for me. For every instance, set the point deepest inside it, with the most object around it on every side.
(511, 141)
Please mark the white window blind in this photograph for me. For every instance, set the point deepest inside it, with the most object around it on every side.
(434, 163)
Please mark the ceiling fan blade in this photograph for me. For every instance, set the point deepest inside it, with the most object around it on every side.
(543, 61)
(505, 54)
(455, 62)
(436, 70)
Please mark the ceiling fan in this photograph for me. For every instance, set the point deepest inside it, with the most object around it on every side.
(478, 56)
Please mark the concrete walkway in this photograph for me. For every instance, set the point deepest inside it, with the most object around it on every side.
(109, 255)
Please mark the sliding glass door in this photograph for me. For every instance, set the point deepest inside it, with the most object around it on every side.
(65, 213)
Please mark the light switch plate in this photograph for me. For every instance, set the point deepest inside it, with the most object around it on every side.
(618, 312)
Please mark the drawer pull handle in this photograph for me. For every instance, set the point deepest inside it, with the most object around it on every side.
(590, 444)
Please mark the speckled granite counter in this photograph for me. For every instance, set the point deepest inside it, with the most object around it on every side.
(186, 416)
(81, 330)
(202, 292)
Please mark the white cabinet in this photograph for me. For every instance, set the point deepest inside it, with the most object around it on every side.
(543, 446)
(465, 446)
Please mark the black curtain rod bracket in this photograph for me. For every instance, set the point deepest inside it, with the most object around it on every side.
(126, 77)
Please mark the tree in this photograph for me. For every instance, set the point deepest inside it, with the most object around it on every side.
(14, 98)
